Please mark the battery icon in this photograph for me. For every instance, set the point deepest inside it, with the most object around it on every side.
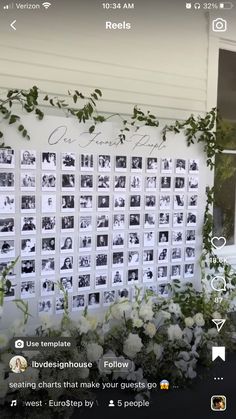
(226, 5)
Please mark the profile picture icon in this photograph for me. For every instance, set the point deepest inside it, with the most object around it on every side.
(18, 364)
(218, 403)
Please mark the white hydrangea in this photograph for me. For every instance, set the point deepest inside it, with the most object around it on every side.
(150, 329)
(94, 352)
(216, 315)
(174, 332)
(137, 322)
(189, 322)
(199, 320)
(123, 307)
(145, 311)
(175, 309)
(132, 345)
(158, 350)
(212, 333)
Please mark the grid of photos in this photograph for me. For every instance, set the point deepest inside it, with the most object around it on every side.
(96, 225)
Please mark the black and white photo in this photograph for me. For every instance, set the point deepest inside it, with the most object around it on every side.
(66, 264)
(180, 166)
(166, 165)
(164, 219)
(133, 276)
(94, 300)
(101, 280)
(179, 183)
(178, 219)
(133, 258)
(66, 283)
(7, 248)
(190, 236)
(102, 241)
(28, 225)
(118, 221)
(49, 224)
(47, 286)
(151, 183)
(28, 267)
(150, 201)
(7, 158)
(163, 289)
(67, 223)
(192, 183)
(165, 183)
(7, 181)
(7, 204)
(104, 163)
(28, 246)
(86, 202)
(117, 259)
(68, 161)
(48, 181)
(109, 297)
(48, 203)
(84, 281)
(117, 277)
(165, 202)
(60, 305)
(48, 161)
(179, 201)
(86, 162)
(148, 274)
(134, 240)
(101, 260)
(119, 202)
(102, 222)
(162, 273)
(189, 253)
(28, 203)
(148, 256)
(45, 306)
(118, 240)
(134, 220)
(135, 202)
(28, 159)
(120, 183)
(135, 183)
(48, 245)
(85, 243)
(191, 219)
(68, 182)
(176, 254)
(27, 289)
(86, 182)
(67, 203)
(163, 237)
(85, 223)
(136, 164)
(149, 239)
(189, 270)
(176, 272)
(48, 266)
(104, 182)
(120, 163)
(103, 203)
(163, 255)
(66, 244)
(7, 226)
(27, 181)
(193, 166)
(192, 201)
(79, 302)
(177, 237)
(152, 164)
(149, 220)
(84, 262)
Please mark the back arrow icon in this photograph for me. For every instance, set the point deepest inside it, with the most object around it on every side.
(12, 25)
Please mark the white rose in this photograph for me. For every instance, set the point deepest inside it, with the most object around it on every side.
(132, 345)
(94, 352)
(175, 309)
(121, 309)
(189, 322)
(185, 355)
(199, 320)
(84, 325)
(137, 322)
(146, 312)
(174, 332)
(158, 350)
(150, 329)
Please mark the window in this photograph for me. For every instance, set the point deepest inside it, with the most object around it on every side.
(225, 170)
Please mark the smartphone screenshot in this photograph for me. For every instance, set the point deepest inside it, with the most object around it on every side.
(117, 209)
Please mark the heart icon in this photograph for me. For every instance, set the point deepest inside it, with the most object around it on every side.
(217, 242)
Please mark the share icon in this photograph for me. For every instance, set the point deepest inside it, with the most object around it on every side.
(219, 323)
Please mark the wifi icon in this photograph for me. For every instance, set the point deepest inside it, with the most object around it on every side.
(46, 5)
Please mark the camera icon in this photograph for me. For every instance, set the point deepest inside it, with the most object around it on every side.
(19, 344)
(219, 25)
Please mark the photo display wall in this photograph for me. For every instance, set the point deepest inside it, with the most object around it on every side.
(98, 223)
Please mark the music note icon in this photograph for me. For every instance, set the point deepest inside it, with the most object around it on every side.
(13, 403)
